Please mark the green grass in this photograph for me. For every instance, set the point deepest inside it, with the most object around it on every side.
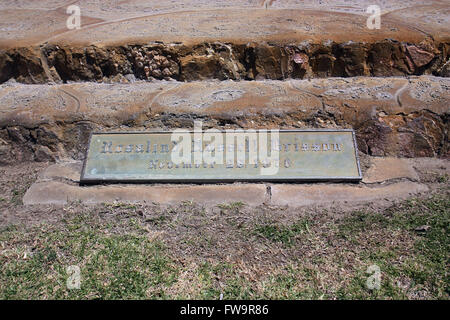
(113, 265)
(425, 265)
(281, 233)
(443, 178)
(231, 206)
(317, 256)
(16, 196)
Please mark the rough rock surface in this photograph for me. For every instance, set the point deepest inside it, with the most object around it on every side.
(393, 116)
(221, 60)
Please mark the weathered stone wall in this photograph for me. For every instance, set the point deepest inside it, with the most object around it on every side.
(137, 66)
(217, 60)
(391, 116)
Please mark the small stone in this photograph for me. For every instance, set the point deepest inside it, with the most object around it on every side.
(118, 78)
(445, 70)
(420, 57)
(147, 71)
(298, 59)
(166, 72)
(130, 77)
(4, 150)
(423, 228)
(156, 73)
(16, 134)
(43, 154)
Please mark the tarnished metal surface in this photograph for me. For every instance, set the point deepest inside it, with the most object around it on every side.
(304, 155)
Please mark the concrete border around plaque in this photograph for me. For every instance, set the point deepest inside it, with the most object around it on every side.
(146, 157)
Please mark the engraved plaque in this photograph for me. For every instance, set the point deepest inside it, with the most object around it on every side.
(246, 155)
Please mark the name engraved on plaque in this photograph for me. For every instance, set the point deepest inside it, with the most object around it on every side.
(291, 155)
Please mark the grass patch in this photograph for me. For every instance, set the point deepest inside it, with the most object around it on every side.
(231, 206)
(285, 234)
(113, 265)
(16, 197)
(231, 286)
(137, 252)
(442, 178)
(420, 271)
(291, 283)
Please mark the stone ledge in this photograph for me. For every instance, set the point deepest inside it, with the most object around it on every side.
(58, 185)
(384, 169)
(58, 193)
(63, 171)
(192, 21)
(305, 195)
(388, 114)
(380, 170)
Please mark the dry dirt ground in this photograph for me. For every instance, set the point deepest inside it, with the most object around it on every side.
(193, 251)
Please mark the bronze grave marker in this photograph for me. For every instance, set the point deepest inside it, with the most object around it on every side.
(289, 156)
